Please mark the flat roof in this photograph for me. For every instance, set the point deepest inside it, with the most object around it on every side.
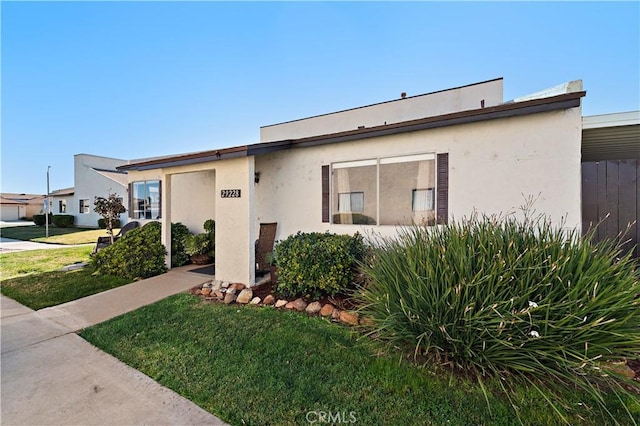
(553, 103)
(384, 102)
(611, 120)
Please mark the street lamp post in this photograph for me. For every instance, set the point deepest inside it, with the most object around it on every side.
(46, 211)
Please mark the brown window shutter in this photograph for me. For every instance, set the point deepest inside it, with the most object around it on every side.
(325, 194)
(442, 192)
(130, 213)
(160, 197)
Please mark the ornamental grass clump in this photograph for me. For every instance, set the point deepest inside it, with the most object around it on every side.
(510, 299)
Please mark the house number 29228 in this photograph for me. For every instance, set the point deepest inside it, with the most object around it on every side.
(230, 193)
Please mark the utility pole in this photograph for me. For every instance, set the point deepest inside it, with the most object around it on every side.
(46, 211)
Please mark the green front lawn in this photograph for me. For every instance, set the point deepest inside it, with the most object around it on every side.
(257, 365)
(56, 235)
(32, 277)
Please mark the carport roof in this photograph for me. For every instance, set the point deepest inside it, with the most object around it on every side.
(509, 109)
(611, 136)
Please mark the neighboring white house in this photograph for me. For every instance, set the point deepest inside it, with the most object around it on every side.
(428, 158)
(61, 201)
(94, 176)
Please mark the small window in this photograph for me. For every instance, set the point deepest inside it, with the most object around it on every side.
(351, 202)
(62, 206)
(422, 200)
(84, 206)
(146, 200)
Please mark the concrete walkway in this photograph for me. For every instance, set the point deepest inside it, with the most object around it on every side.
(49, 375)
(9, 244)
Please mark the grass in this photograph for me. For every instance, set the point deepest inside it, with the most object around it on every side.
(32, 277)
(251, 365)
(56, 235)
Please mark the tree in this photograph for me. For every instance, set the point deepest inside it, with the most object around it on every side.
(110, 209)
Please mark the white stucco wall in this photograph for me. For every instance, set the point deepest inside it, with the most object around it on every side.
(494, 166)
(193, 199)
(88, 184)
(410, 108)
(191, 194)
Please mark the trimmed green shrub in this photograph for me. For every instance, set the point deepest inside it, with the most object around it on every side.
(137, 254)
(63, 220)
(179, 233)
(519, 300)
(196, 244)
(40, 219)
(317, 264)
(102, 223)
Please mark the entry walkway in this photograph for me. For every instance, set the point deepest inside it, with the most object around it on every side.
(50, 375)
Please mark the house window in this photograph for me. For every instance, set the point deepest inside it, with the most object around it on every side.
(385, 191)
(422, 200)
(349, 202)
(145, 200)
(354, 192)
(62, 206)
(85, 208)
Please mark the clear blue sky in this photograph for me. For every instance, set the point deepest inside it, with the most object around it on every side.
(141, 79)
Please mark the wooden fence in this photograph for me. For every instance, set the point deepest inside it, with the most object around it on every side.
(611, 197)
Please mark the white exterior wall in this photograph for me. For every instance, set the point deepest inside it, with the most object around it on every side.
(193, 199)
(88, 184)
(72, 209)
(493, 167)
(411, 108)
(192, 194)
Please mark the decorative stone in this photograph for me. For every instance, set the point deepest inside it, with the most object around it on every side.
(216, 286)
(281, 303)
(206, 291)
(238, 286)
(218, 294)
(313, 308)
(269, 300)
(198, 292)
(298, 304)
(327, 310)
(335, 314)
(206, 285)
(225, 284)
(245, 296)
(255, 301)
(349, 318)
(229, 297)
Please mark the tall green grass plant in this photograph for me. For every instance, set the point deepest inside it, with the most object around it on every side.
(520, 300)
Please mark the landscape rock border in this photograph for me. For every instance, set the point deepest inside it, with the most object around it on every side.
(228, 293)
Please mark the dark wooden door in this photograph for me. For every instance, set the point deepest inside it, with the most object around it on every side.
(611, 198)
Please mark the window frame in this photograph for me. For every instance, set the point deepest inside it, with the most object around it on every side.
(84, 206)
(146, 213)
(378, 161)
(351, 194)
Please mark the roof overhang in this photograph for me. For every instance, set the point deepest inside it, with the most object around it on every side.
(511, 109)
(611, 136)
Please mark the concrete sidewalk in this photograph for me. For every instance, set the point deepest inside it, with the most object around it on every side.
(9, 244)
(49, 375)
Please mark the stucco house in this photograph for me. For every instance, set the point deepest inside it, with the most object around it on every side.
(94, 176)
(427, 158)
(17, 206)
(61, 201)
